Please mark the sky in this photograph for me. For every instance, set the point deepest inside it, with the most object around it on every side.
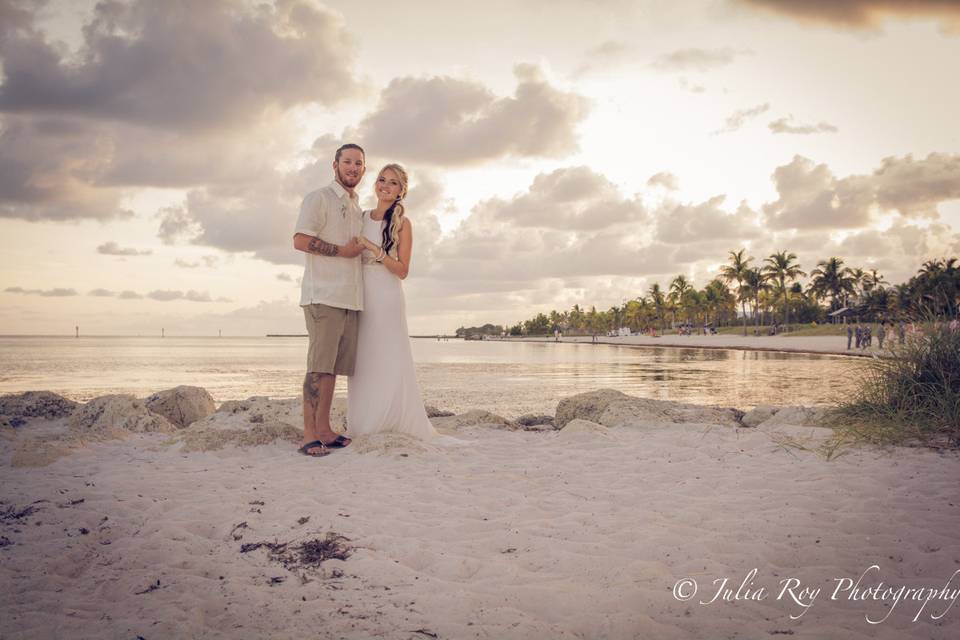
(153, 155)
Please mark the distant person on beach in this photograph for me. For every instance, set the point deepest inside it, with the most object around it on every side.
(331, 293)
(858, 335)
(849, 336)
(881, 334)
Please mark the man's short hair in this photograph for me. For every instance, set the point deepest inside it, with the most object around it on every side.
(349, 145)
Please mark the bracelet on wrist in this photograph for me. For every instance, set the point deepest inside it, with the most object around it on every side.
(381, 255)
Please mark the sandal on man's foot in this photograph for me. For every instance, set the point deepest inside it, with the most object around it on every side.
(338, 443)
(324, 450)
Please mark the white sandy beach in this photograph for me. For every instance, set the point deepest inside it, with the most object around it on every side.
(790, 344)
(574, 533)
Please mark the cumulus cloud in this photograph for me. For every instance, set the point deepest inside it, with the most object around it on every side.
(812, 197)
(183, 65)
(785, 125)
(706, 221)
(101, 293)
(448, 121)
(694, 59)
(111, 248)
(740, 117)
(49, 168)
(284, 277)
(916, 187)
(862, 14)
(664, 179)
(46, 293)
(129, 295)
(156, 95)
(574, 198)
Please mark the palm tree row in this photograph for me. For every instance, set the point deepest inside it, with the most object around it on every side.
(763, 289)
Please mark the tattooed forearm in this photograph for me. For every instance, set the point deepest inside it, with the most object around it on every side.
(322, 247)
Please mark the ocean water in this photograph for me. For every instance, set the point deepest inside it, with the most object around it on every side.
(509, 378)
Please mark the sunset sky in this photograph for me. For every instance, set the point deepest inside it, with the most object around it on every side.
(153, 155)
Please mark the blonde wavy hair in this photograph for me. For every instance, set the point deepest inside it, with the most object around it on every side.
(395, 214)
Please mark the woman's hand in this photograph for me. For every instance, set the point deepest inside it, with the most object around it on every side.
(368, 244)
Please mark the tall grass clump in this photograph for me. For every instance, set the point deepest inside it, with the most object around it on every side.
(911, 396)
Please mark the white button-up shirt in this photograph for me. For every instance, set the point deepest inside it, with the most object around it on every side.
(333, 215)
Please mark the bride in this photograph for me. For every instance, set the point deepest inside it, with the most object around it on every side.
(383, 395)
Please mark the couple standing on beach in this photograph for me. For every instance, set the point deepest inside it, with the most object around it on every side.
(354, 307)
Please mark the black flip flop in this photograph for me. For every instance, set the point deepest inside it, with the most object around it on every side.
(339, 442)
(305, 449)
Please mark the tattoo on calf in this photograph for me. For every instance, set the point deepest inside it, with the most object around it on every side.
(311, 388)
(322, 247)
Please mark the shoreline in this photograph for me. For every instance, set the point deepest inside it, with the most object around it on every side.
(815, 345)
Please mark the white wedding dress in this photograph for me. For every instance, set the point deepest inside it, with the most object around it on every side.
(383, 395)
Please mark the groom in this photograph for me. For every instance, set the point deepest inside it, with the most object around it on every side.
(331, 293)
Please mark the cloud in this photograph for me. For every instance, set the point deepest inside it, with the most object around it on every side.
(810, 196)
(916, 187)
(284, 277)
(205, 261)
(183, 65)
(166, 295)
(695, 59)
(664, 179)
(572, 198)
(101, 293)
(446, 121)
(46, 293)
(603, 56)
(129, 295)
(111, 248)
(706, 221)
(738, 118)
(784, 125)
(49, 168)
(861, 14)
(168, 94)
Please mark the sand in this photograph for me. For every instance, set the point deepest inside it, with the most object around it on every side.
(574, 533)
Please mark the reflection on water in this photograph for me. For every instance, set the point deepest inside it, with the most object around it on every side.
(508, 377)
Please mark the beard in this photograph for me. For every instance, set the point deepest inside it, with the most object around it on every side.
(349, 181)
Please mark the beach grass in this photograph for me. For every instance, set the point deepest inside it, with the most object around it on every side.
(912, 397)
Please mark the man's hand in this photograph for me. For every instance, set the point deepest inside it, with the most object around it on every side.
(351, 250)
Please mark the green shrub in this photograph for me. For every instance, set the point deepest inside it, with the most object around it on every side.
(912, 395)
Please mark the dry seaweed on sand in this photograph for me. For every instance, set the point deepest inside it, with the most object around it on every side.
(11, 513)
(309, 554)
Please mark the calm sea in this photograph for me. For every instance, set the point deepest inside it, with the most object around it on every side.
(509, 378)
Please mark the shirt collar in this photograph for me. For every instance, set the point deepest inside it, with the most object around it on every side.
(341, 191)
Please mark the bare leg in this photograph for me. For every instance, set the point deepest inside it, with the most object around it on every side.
(317, 398)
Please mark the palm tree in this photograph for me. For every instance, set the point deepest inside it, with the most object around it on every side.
(873, 281)
(833, 279)
(858, 275)
(781, 268)
(754, 284)
(734, 272)
(719, 298)
(678, 287)
(656, 297)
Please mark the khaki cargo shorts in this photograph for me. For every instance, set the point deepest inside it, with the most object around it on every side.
(333, 339)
